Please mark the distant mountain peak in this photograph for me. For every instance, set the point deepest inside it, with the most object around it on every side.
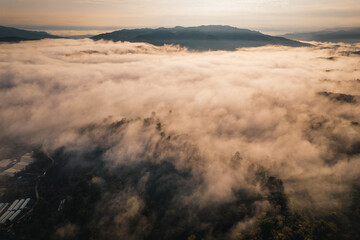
(10, 34)
(346, 35)
(205, 37)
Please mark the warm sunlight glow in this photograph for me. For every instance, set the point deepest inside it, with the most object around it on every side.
(267, 15)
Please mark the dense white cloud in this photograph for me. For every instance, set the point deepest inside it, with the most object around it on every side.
(260, 102)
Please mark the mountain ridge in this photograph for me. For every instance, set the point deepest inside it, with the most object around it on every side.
(15, 34)
(346, 35)
(205, 37)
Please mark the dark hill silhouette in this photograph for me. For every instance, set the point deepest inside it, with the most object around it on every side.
(9, 34)
(199, 38)
(348, 35)
(15, 39)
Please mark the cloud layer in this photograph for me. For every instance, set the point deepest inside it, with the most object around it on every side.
(216, 115)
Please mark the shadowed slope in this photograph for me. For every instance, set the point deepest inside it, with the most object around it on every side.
(343, 35)
(8, 34)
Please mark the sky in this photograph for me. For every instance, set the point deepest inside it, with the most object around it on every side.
(265, 15)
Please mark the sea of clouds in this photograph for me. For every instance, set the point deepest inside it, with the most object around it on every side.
(220, 112)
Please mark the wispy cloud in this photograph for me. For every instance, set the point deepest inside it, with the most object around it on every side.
(261, 102)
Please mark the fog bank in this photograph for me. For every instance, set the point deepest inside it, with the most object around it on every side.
(216, 115)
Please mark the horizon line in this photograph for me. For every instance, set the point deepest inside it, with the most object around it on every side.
(115, 28)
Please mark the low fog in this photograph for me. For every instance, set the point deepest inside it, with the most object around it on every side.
(209, 121)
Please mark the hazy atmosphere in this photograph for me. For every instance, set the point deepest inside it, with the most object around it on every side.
(216, 116)
(268, 108)
(271, 16)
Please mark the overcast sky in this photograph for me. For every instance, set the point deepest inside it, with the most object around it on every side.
(267, 15)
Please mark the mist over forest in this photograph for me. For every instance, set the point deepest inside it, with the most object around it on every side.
(161, 142)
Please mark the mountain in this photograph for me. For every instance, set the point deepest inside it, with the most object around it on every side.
(9, 34)
(199, 38)
(346, 35)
